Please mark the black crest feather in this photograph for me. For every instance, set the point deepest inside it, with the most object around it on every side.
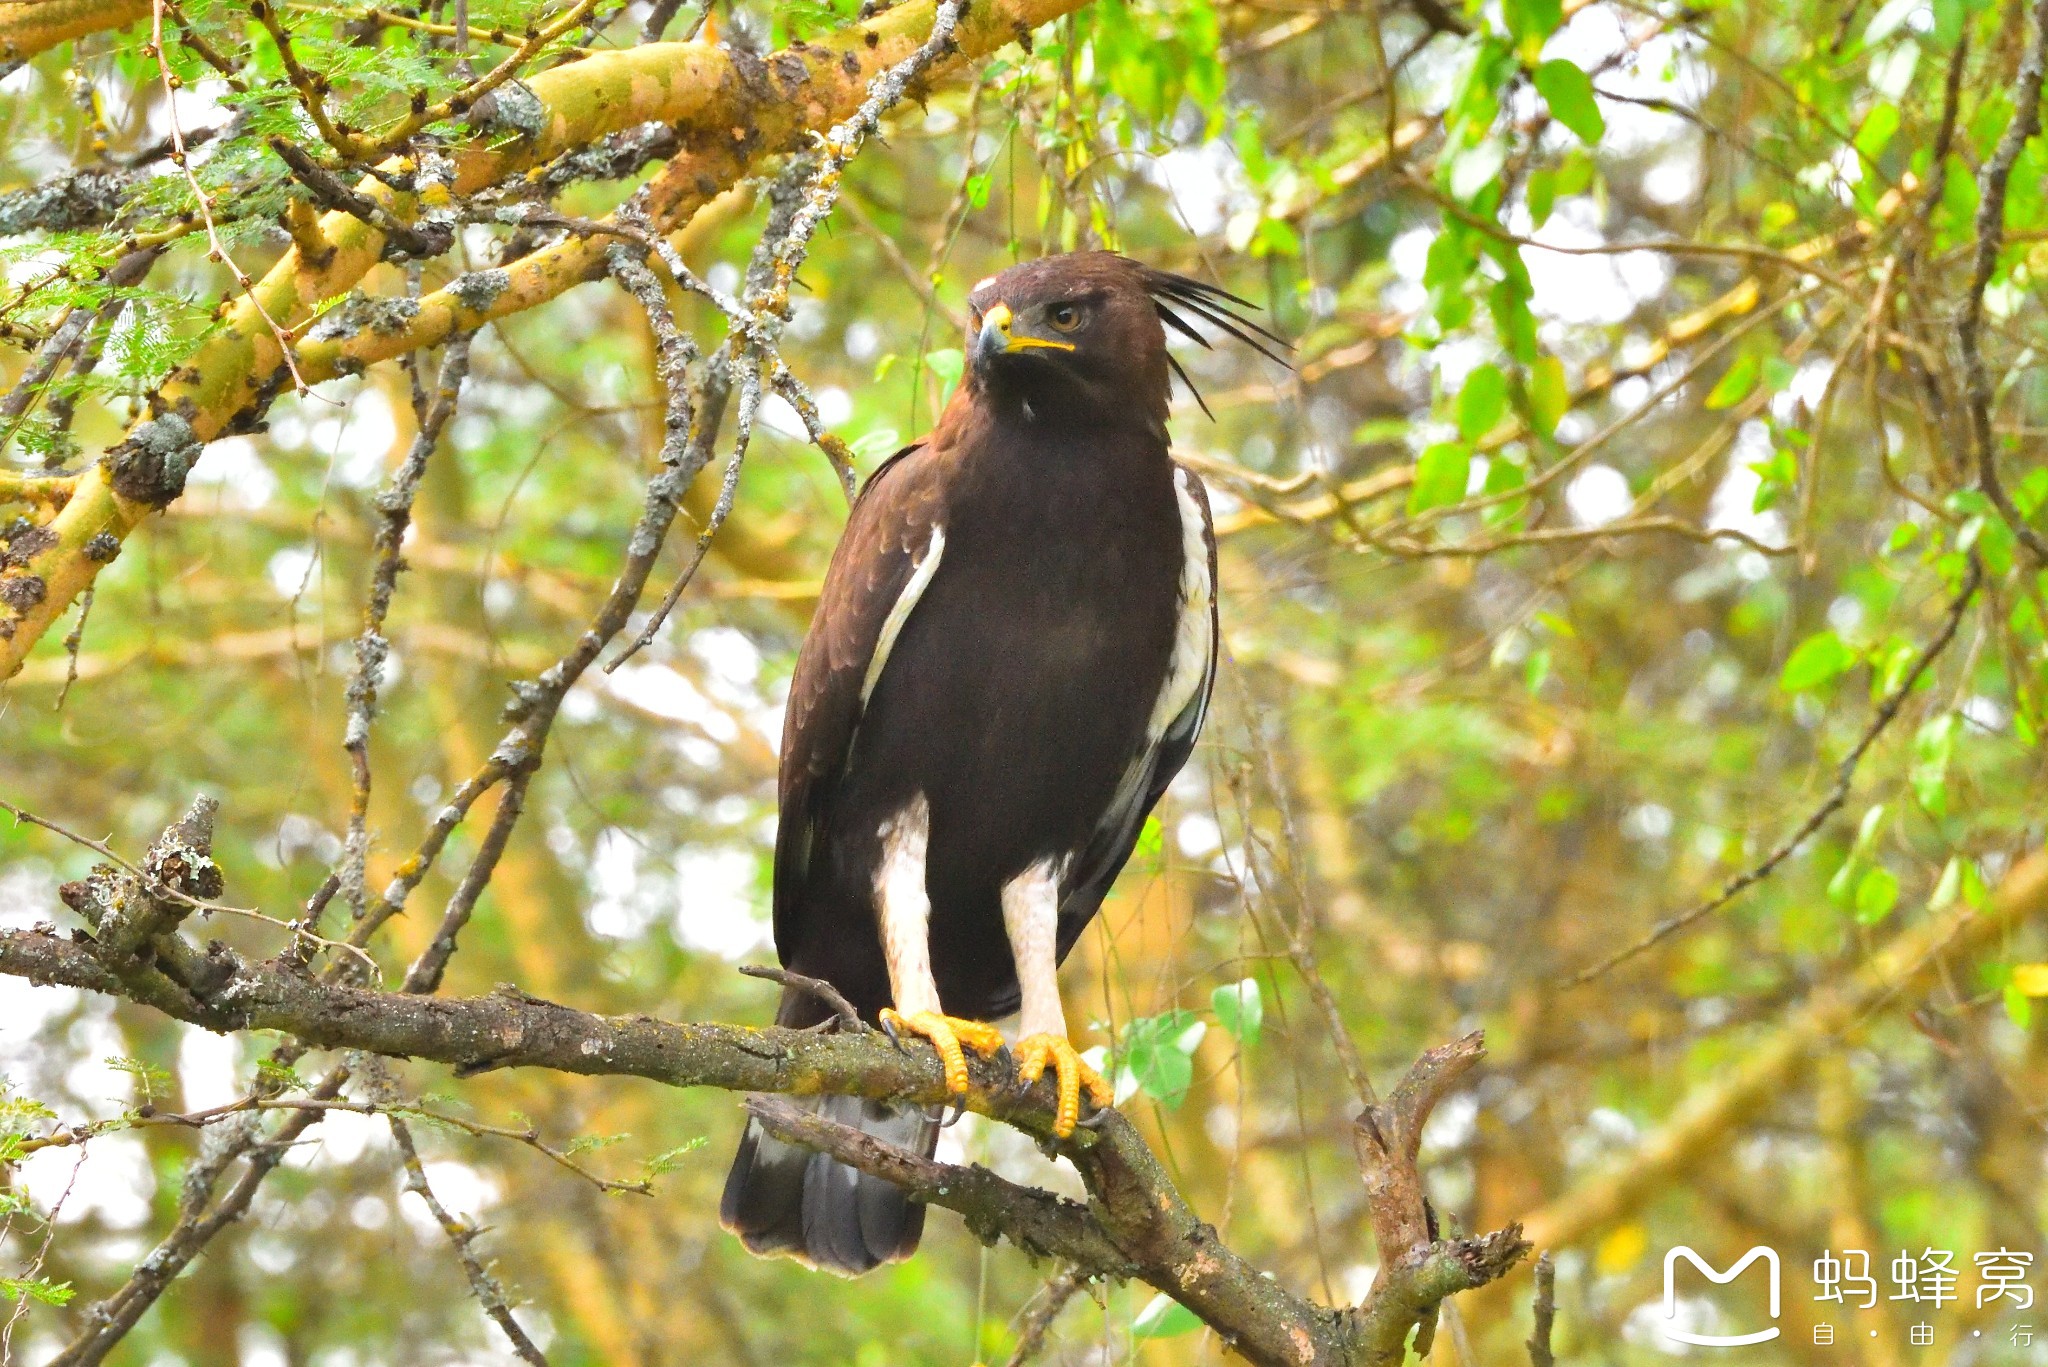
(1173, 295)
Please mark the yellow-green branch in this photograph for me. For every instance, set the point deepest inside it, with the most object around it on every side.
(31, 26)
(732, 109)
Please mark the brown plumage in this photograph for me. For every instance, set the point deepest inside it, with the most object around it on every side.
(1010, 660)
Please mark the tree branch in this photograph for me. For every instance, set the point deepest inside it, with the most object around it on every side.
(1136, 1223)
(731, 108)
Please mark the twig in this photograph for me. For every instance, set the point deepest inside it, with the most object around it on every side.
(394, 508)
(1845, 775)
(1545, 1312)
(685, 450)
(1038, 1320)
(747, 347)
(158, 888)
(1991, 190)
(216, 251)
(848, 1017)
(662, 12)
(1387, 1136)
(332, 192)
(425, 973)
(106, 1324)
(843, 143)
(461, 1235)
(496, 37)
(73, 639)
(536, 40)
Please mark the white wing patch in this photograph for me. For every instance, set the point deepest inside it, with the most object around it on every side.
(899, 612)
(1191, 633)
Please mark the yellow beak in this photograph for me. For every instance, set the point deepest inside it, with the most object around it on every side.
(996, 336)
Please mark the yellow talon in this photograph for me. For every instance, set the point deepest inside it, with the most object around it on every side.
(1070, 1074)
(947, 1035)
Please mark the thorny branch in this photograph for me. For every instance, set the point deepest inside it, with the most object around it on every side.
(181, 158)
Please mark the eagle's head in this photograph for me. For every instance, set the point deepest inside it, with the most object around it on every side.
(1083, 335)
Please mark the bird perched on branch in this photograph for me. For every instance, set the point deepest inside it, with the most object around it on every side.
(1011, 659)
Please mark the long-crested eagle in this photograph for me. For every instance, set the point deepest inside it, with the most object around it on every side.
(1011, 658)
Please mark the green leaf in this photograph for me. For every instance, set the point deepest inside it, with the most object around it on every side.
(1541, 195)
(1889, 20)
(1159, 1053)
(882, 441)
(668, 1160)
(1477, 168)
(947, 363)
(1948, 21)
(1948, 887)
(1482, 401)
(1959, 193)
(1842, 887)
(1549, 399)
(151, 1081)
(1532, 21)
(1512, 320)
(1569, 93)
(37, 1289)
(1876, 132)
(2018, 1009)
(1441, 474)
(1736, 381)
(1503, 476)
(1576, 172)
(1819, 659)
(1933, 746)
(1164, 1318)
(1877, 892)
(1239, 1009)
(1448, 262)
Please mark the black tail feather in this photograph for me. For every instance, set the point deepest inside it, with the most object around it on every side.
(782, 1199)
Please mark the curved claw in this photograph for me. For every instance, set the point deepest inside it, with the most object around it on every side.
(1070, 1074)
(950, 1037)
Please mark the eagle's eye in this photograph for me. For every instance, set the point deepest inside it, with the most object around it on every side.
(1064, 317)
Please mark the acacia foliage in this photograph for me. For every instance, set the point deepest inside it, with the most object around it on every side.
(1558, 584)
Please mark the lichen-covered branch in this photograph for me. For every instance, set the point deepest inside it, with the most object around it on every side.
(730, 108)
(1136, 1223)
